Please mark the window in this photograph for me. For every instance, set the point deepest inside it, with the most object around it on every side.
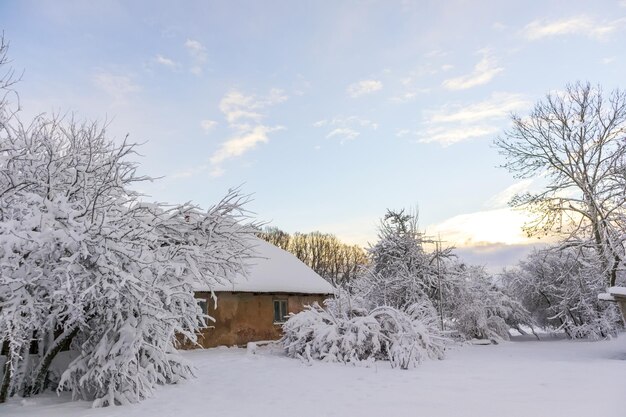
(204, 306)
(280, 311)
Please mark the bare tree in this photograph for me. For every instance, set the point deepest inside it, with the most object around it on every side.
(576, 139)
(334, 260)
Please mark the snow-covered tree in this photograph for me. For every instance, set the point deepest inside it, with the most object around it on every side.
(560, 287)
(400, 272)
(477, 308)
(576, 140)
(84, 264)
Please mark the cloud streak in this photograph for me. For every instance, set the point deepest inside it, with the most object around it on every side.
(578, 25)
(498, 106)
(119, 87)
(345, 128)
(198, 53)
(208, 125)
(452, 124)
(166, 62)
(364, 87)
(241, 143)
(484, 71)
(447, 136)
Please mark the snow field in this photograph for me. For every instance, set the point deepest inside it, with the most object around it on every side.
(523, 378)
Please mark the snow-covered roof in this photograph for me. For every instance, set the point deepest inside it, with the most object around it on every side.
(275, 270)
(605, 296)
(618, 291)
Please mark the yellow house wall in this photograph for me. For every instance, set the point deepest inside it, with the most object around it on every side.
(247, 317)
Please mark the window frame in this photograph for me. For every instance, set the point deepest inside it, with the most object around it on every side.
(280, 302)
(205, 310)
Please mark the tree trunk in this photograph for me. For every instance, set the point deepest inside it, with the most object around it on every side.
(6, 379)
(37, 383)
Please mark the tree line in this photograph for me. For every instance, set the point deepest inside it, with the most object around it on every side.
(335, 261)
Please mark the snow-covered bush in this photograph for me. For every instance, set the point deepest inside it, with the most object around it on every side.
(342, 333)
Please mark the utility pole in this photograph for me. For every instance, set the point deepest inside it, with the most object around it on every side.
(438, 249)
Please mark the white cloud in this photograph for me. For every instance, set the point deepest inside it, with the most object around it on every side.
(236, 105)
(502, 199)
(484, 71)
(364, 87)
(208, 125)
(242, 143)
(166, 62)
(504, 226)
(346, 121)
(447, 136)
(453, 124)
(345, 128)
(578, 25)
(498, 106)
(198, 53)
(119, 87)
(404, 97)
(436, 53)
(244, 114)
(495, 256)
(344, 134)
(402, 132)
(216, 172)
(196, 49)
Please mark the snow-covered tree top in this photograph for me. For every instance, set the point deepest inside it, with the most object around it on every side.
(274, 270)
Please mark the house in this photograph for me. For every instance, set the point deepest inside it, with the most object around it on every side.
(252, 308)
(617, 295)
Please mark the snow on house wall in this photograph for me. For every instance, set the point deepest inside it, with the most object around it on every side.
(275, 270)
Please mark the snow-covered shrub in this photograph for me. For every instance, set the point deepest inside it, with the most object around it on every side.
(315, 333)
(411, 335)
(355, 335)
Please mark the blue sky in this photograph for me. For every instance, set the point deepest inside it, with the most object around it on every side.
(329, 112)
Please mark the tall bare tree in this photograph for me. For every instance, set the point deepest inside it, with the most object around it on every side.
(576, 140)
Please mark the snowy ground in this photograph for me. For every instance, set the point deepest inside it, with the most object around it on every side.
(521, 378)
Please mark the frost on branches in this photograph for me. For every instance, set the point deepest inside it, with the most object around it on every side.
(477, 308)
(403, 273)
(86, 266)
(560, 287)
(344, 333)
